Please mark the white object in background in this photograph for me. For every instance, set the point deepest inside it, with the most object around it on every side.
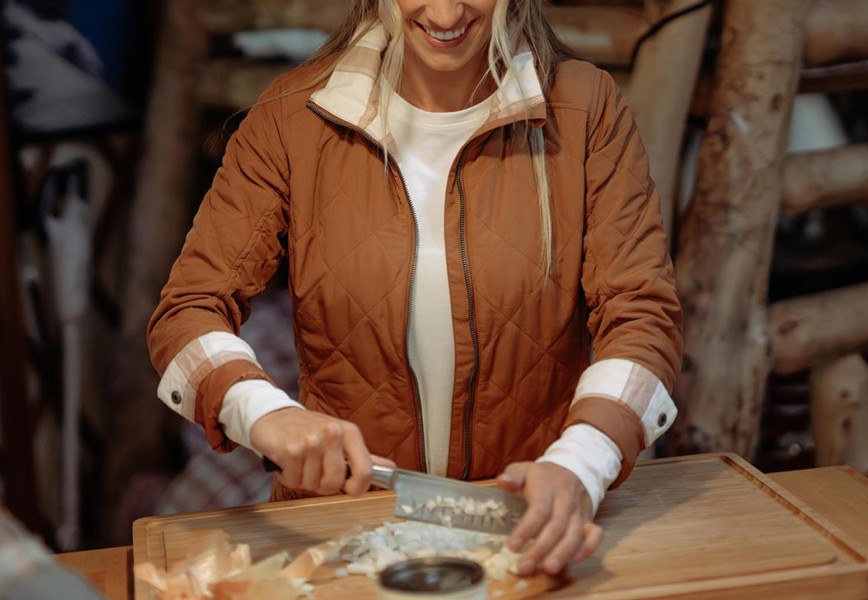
(63, 93)
(814, 125)
(67, 224)
(62, 37)
(295, 45)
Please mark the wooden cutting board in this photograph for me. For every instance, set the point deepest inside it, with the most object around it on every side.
(701, 526)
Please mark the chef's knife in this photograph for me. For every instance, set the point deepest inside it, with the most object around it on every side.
(451, 502)
(448, 502)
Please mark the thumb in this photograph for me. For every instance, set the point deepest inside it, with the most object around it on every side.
(513, 477)
(383, 462)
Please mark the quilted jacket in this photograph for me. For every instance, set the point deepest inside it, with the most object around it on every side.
(304, 177)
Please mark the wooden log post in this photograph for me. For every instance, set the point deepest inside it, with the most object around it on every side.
(809, 329)
(837, 32)
(825, 178)
(835, 78)
(661, 110)
(839, 412)
(160, 216)
(726, 239)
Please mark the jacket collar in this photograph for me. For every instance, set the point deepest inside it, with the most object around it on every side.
(351, 93)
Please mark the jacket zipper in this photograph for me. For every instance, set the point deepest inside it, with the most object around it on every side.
(423, 458)
(471, 383)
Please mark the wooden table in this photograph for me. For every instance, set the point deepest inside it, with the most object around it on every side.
(109, 570)
(839, 494)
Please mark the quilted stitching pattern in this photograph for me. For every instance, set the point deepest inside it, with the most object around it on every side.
(527, 331)
(350, 256)
(348, 232)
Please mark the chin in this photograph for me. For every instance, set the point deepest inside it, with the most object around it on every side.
(445, 66)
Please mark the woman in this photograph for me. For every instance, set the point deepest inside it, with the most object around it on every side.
(463, 208)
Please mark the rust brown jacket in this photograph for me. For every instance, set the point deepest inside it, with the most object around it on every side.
(304, 178)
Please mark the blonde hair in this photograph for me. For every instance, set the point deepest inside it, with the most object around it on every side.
(514, 23)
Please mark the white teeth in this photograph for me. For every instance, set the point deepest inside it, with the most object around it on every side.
(445, 36)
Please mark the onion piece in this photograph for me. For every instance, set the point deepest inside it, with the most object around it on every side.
(213, 569)
(370, 552)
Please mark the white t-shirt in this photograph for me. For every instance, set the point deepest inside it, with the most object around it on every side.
(428, 144)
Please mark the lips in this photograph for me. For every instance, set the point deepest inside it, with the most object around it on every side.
(445, 36)
(446, 39)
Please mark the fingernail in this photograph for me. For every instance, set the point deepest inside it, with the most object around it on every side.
(514, 544)
(553, 565)
(526, 565)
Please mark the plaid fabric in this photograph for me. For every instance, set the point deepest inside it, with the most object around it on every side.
(352, 94)
(180, 383)
(212, 480)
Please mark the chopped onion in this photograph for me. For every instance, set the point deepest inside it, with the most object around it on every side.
(449, 510)
(214, 569)
(372, 551)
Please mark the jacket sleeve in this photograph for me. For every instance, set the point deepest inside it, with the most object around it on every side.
(229, 255)
(635, 316)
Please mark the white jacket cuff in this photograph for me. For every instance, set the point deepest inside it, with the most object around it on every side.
(636, 387)
(590, 455)
(180, 383)
(245, 403)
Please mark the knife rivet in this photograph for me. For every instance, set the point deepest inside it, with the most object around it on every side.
(176, 397)
(661, 420)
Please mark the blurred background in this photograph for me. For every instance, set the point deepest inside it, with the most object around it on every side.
(113, 118)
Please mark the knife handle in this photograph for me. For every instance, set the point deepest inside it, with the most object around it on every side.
(383, 476)
(270, 466)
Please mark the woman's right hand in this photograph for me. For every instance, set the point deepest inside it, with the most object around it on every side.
(313, 451)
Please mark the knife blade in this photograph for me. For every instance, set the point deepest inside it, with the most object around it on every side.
(444, 501)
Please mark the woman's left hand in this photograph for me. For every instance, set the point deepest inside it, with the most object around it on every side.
(558, 517)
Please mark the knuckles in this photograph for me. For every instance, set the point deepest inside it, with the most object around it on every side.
(331, 432)
(294, 451)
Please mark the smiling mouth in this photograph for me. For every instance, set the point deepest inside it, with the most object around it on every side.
(446, 36)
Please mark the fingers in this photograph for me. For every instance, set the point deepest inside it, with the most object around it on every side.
(334, 469)
(312, 461)
(557, 520)
(291, 466)
(593, 537)
(313, 451)
(559, 524)
(539, 510)
(359, 460)
(567, 548)
(513, 477)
